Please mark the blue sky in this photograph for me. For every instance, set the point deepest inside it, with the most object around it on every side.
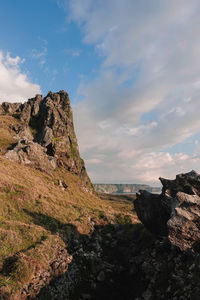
(55, 56)
(131, 70)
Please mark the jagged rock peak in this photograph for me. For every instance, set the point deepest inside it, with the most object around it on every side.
(188, 183)
(175, 212)
(47, 122)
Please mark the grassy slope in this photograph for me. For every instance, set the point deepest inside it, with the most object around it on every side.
(34, 213)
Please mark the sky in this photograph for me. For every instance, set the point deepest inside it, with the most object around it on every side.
(132, 72)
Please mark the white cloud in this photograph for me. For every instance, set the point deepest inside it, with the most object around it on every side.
(72, 52)
(14, 85)
(146, 96)
(13, 61)
(40, 55)
(93, 161)
(164, 164)
(76, 53)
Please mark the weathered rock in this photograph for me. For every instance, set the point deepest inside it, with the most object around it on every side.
(154, 211)
(48, 122)
(22, 132)
(184, 224)
(62, 185)
(47, 136)
(30, 153)
(12, 108)
(175, 212)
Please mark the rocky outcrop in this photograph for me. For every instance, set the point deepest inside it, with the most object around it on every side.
(29, 153)
(45, 134)
(174, 213)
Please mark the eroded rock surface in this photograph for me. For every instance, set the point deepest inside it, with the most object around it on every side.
(126, 262)
(45, 134)
(175, 212)
(29, 153)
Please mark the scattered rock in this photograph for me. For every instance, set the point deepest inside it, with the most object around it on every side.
(62, 185)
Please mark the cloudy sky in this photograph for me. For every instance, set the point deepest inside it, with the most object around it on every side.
(131, 69)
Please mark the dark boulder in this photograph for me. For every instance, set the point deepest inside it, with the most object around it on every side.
(174, 213)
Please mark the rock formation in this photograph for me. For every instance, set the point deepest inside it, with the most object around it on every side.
(174, 213)
(45, 134)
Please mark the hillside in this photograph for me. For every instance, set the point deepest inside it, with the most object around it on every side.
(124, 188)
(44, 205)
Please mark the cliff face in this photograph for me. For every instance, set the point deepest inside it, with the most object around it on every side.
(45, 136)
(123, 188)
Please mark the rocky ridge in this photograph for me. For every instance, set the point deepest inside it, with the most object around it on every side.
(45, 136)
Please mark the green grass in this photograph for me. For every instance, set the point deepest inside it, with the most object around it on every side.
(56, 139)
(74, 152)
(68, 114)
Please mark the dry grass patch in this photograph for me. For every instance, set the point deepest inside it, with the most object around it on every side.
(6, 133)
(33, 209)
(35, 213)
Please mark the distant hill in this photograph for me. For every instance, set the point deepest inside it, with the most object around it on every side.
(124, 188)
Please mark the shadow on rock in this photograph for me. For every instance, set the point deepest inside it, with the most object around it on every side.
(121, 262)
(105, 263)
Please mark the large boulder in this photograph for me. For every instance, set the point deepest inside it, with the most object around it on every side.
(175, 212)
